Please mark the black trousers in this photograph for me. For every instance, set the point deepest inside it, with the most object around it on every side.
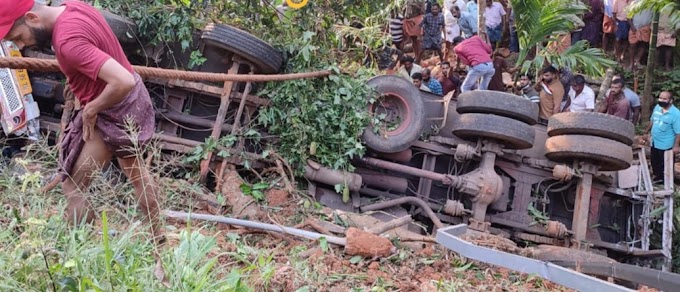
(657, 163)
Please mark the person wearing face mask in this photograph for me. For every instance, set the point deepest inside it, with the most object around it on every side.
(664, 127)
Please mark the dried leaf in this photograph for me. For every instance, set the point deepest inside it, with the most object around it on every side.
(159, 273)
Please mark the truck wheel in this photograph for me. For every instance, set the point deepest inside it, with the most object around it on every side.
(498, 103)
(266, 58)
(594, 124)
(610, 155)
(512, 133)
(404, 115)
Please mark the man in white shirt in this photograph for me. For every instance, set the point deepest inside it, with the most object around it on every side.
(448, 4)
(418, 82)
(582, 97)
(451, 26)
(408, 68)
(494, 17)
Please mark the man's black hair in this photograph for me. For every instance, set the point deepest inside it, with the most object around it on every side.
(417, 76)
(549, 69)
(445, 63)
(528, 75)
(408, 59)
(617, 81)
(457, 40)
(620, 77)
(578, 80)
(436, 4)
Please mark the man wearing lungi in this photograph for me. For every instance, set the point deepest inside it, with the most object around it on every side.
(112, 96)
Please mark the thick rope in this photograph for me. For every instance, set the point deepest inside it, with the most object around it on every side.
(45, 65)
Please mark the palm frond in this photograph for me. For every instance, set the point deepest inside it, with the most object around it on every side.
(580, 57)
(670, 6)
(541, 21)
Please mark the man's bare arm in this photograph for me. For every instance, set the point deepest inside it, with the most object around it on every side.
(636, 115)
(602, 108)
(119, 83)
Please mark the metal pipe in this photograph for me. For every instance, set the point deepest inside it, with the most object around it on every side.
(256, 225)
(377, 193)
(387, 182)
(406, 200)
(509, 223)
(401, 156)
(192, 120)
(331, 177)
(404, 169)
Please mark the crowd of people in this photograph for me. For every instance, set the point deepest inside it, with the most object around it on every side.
(450, 32)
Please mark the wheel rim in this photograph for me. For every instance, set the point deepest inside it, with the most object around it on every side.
(396, 111)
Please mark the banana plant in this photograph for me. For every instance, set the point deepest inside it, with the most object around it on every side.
(540, 22)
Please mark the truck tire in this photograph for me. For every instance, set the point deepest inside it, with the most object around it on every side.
(512, 133)
(610, 155)
(594, 124)
(266, 58)
(498, 103)
(124, 29)
(402, 100)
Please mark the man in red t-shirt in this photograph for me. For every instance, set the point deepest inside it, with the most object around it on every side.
(616, 104)
(475, 53)
(116, 110)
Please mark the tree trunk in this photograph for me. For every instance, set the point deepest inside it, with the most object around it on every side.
(649, 71)
(481, 27)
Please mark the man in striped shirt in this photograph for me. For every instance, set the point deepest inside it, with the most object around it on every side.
(397, 29)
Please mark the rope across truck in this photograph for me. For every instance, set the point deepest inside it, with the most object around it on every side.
(46, 65)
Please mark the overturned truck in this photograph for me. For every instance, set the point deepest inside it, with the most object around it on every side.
(483, 160)
(480, 159)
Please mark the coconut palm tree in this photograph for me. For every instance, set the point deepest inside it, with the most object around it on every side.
(540, 22)
(672, 7)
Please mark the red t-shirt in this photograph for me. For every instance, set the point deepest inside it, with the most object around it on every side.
(618, 107)
(83, 42)
(473, 51)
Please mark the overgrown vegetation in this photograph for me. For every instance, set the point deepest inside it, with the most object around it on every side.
(320, 119)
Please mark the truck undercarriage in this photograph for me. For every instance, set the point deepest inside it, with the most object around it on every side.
(479, 160)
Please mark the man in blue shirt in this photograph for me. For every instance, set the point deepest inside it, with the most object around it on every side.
(433, 84)
(467, 23)
(665, 129)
